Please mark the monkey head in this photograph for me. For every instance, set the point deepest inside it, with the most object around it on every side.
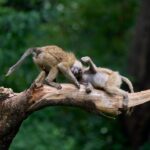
(36, 51)
(77, 69)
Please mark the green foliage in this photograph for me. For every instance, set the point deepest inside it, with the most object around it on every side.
(77, 130)
(100, 28)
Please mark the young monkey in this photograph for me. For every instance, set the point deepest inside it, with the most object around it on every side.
(102, 78)
(51, 59)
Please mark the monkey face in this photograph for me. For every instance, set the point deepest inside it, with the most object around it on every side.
(77, 70)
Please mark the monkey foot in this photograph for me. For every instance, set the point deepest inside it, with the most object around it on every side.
(127, 110)
(53, 84)
(59, 87)
(36, 85)
(88, 90)
(78, 86)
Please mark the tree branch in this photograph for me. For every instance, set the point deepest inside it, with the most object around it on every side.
(96, 101)
(15, 107)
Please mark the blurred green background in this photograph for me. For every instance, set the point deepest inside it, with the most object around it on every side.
(101, 29)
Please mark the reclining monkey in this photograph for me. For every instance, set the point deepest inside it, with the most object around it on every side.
(51, 59)
(102, 78)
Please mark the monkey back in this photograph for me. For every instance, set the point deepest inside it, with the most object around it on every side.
(50, 56)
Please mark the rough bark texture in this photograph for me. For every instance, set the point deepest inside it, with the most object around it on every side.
(139, 68)
(15, 107)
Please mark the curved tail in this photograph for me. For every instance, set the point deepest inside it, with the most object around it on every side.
(128, 82)
(20, 61)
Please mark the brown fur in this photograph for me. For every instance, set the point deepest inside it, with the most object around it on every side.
(51, 56)
(50, 59)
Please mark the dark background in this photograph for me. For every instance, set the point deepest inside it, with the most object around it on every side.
(114, 33)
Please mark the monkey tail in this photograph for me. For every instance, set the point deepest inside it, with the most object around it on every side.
(20, 61)
(128, 82)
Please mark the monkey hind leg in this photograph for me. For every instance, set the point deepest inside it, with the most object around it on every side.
(116, 91)
(39, 80)
(41, 77)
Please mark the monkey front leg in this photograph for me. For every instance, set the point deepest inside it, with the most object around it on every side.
(51, 77)
(63, 67)
(40, 77)
(88, 86)
(88, 61)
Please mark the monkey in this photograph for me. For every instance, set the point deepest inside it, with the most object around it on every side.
(51, 59)
(102, 78)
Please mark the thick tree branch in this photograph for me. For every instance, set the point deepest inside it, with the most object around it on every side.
(96, 101)
(15, 107)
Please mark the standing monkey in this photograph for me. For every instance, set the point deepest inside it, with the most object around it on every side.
(102, 78)
(51, 59)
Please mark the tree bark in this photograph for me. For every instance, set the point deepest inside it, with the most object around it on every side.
(139, 68)
(16, 107)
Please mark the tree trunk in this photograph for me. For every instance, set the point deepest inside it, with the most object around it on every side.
(137, 125)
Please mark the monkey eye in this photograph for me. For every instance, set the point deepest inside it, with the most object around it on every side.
(80, 71)
(76, 70)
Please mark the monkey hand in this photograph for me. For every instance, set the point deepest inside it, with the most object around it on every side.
(88, 90)
(85, 59)
(58, 86)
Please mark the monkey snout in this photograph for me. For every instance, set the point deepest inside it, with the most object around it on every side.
(77, 71)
